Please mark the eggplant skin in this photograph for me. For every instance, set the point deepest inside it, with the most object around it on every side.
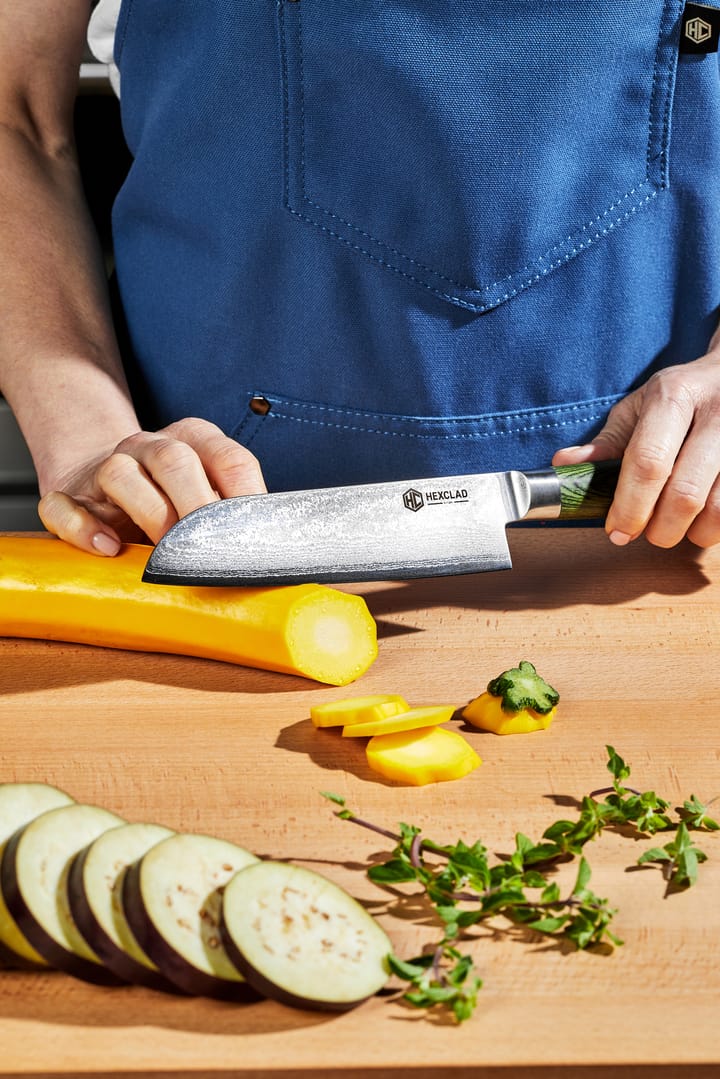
(10, 960)
(57, 956)
(182, 974)
(123, 966)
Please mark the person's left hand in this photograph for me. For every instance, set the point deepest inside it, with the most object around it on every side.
(667, 433)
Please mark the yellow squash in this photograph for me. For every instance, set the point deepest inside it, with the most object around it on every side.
(428, 755)
(351, 710)
(432, 715)
(487, 713)
(53, 591)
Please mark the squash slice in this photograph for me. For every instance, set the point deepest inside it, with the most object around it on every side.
(428, 755)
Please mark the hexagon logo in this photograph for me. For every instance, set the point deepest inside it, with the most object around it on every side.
(413, 500)
(698, 30)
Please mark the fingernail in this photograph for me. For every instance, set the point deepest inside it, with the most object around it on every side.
(620, 539)
(105, 544)
(586, 448)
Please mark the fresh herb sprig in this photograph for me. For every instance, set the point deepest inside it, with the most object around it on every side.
(622, 806)
(464, 888)
(643, 812)
(678, 859)
(695, 815)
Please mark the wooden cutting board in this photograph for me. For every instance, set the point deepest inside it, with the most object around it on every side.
(630, 639)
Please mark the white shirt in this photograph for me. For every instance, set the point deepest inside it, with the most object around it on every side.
(101, 37)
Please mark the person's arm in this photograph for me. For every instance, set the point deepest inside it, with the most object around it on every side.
(101, 477)
(667, 433)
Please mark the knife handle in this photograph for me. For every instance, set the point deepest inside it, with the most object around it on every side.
(586, 490)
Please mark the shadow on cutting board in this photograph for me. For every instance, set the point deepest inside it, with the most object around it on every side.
(553, 569)
(57, 998)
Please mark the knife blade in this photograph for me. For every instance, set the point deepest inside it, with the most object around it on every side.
(380, 531)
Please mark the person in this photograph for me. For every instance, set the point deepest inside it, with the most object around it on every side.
(376, 240)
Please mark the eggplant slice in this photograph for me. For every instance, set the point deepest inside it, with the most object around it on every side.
(94, 886)
(302, 940)
(33, 877)
(21, 803)
(172, 897)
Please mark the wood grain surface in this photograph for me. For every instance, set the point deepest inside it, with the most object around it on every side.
(630, 639)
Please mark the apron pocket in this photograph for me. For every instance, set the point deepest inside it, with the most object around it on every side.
(474, 148)
(304, 444)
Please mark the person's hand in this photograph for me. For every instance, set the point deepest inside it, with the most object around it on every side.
(668, 435)
(136, 491)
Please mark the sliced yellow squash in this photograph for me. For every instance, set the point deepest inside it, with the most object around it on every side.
(431, 715)
(351, 710)
(428, 755)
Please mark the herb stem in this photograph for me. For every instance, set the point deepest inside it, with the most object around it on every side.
(415, 853)
(559, 904)
(438, 973)
(345, 814)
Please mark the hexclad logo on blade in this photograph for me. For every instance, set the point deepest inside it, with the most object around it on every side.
(413, 500)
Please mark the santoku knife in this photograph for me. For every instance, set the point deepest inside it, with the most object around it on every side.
(379, 531)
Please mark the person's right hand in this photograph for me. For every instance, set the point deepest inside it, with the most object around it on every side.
(146, 483)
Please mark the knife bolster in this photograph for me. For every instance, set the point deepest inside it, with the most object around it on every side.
(543, 495)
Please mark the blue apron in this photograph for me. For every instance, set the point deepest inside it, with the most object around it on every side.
(379, 239)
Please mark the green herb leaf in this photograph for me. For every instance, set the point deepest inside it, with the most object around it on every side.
(680, 856)
(655, 854)
(550, 894)
(336, 798)
(528, 853)
(583, 877)
(549, 924)
(395, 871)
(447, 979)
(618, 768)
(695, 815)
(409, 969)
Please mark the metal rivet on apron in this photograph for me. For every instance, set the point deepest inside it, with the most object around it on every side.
(259, 405)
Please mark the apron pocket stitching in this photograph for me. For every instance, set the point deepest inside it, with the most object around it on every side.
(575, 406)
(573, 236)
(493, 300)
(511, 429)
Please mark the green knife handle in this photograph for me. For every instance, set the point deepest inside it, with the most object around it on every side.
(587, 490)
